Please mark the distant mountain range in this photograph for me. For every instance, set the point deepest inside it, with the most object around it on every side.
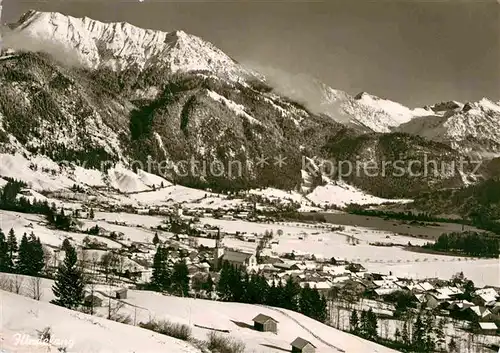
(113, 91)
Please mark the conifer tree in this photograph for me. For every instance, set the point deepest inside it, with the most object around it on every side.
(5, 261)
(291, 292)
(12, 247)
(208, 286)
(397, 335)
(354, 321)
(65, 244)
(363, 327)
(91, 214)
(371, 325)
(69, 283)
(405, 335)
(180, 279)
(440, 335)
(156, 239)
(160, 279)
(223, 286)
(37, 256)
(419, 342)
(23, 257)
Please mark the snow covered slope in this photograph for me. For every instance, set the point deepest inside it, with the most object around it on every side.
(363, 111)
(87, 331)
(119, 45)
(381, 115)
(341, 194)
(472, 128)
(22, 319)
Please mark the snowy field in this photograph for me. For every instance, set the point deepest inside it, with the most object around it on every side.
(22, 320)
(144, 306)
(321, 242)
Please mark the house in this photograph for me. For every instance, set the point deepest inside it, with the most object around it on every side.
(485, 297)
(489, 328)
(430, 300)
(121, 293)
(300, 345)
(264, 323)
(475, 313)
(240, 259)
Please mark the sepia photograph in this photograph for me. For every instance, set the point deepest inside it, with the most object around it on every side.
(249, 176)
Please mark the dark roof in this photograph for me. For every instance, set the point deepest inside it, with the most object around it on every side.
(236, 256)
(300, 343)
(262, 319)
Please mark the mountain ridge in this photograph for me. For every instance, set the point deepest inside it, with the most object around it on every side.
(120, 110)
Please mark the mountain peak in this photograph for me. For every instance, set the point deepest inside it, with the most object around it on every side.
(119, 45)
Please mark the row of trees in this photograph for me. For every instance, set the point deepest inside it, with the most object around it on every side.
(365, 325)
(235, 285)
(11, 201)
(420, 334)
(238, 286)
(469, 243)
(27, 259)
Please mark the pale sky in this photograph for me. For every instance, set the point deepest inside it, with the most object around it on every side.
(414, 52)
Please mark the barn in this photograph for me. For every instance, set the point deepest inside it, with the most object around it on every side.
(121, 293)
(300, 345)
(264, 323)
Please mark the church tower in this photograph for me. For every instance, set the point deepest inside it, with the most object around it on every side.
(218, 251)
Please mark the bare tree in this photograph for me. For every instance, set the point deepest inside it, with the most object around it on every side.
(35, 287)
(6, 283)
(83, 260)
(47, 256)
(18, 284)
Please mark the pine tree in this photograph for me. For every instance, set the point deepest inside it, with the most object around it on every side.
(5, 261)
(372, 324)
(160, 279)
(156, 239)
(419, 342)
(290, 294)
(65, 244)
(429, 333)
(223, 286)
(12, 247)
(354, 322)
(364, 325)
(180, 279)
(69, 284)
(23, 257)
(208, 286)
(440, 336)
(397, 335)
(37, 261)
(405, 337)
(91, 214)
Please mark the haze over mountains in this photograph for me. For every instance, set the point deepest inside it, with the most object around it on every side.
(115, 91)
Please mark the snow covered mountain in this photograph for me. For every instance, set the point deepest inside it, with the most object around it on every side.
(472, 128)
(364, 112)
(131, 94)
(119, 46)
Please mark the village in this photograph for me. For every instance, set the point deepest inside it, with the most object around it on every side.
(117, 245)
(346, 285)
